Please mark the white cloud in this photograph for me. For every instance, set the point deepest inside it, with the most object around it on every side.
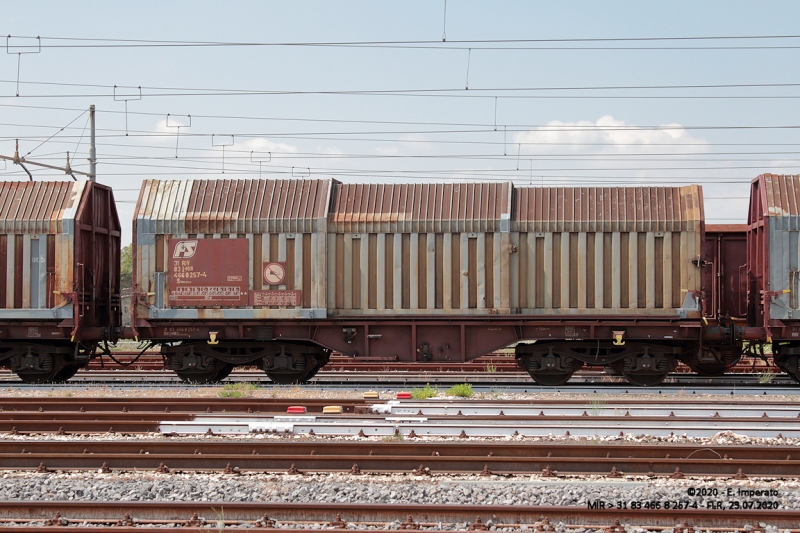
(174, 124)
(608, 136)
(260, 144)
(390, 150)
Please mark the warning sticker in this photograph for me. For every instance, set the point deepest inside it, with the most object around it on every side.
(275, 298)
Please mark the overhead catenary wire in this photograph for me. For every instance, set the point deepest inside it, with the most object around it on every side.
(488, 44)
(490, 92)
(53, 135)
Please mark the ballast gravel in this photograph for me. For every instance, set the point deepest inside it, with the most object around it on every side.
(382, 488)
(314, 390)
(723, 438)
(392, 489)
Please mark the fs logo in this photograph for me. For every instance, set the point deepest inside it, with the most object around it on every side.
(184, 249)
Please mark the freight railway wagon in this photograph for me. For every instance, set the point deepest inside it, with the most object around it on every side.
(773, 262)
(279, 273)
(59, 276)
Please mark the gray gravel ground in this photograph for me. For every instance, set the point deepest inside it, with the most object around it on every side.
(387, 489)
(723, 438)
(380, 488)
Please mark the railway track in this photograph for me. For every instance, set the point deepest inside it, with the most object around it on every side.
(260, 460)
(115, 516)
(547, 460)
(401, 419)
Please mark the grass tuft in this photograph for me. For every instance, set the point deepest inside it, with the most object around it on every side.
(425, 392)
(237, 390)
(596, 406)
(463, 390)
(766, 377)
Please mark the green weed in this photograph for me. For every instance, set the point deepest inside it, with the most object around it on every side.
(425, 392)
(237, 390)
(463, 390)
(596, 406)
(766, 377)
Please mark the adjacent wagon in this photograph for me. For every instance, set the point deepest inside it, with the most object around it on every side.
(59, 276)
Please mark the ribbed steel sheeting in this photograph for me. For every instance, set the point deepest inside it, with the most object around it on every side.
(232, 206)
(603, 209)
(421, 208)
(282, 221)
(419, 248)
(605, 250)
(773, 245)
(37, 242)
(38, 207)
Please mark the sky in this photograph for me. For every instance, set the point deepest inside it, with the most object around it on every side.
(568, 93)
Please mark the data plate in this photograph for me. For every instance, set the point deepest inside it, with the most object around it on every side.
(208, 272)
(275, 298)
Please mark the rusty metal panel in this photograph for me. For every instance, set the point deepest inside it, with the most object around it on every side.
(38, 228)
(606, 251)
(420, 249)
(420, 273)
(38, 207)
(725, 274)
(232, 206)
(278, 221)
(773, 247)
(602, 209)
(420, 208)
(208, 272)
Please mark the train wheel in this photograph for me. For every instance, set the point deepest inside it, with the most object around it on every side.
(288, 370)
(36, 368)
(709, 369)
(65, 374)
(37, 377)
(550, 379)
(786, 358)
(311, 374)
(288, 378)
(548, 368)
(224, 372)
(217, 372)
(642, 379)
(645, 369)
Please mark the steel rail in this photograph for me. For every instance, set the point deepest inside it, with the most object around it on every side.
(453, 418)
(451, 425)
(340, 515)
(447, 458)
(174, 404)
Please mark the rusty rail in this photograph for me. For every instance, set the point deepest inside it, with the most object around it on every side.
(198, 515)
(524, 458)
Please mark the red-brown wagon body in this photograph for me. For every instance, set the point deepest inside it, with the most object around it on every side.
(59, 276)
(430, 272)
